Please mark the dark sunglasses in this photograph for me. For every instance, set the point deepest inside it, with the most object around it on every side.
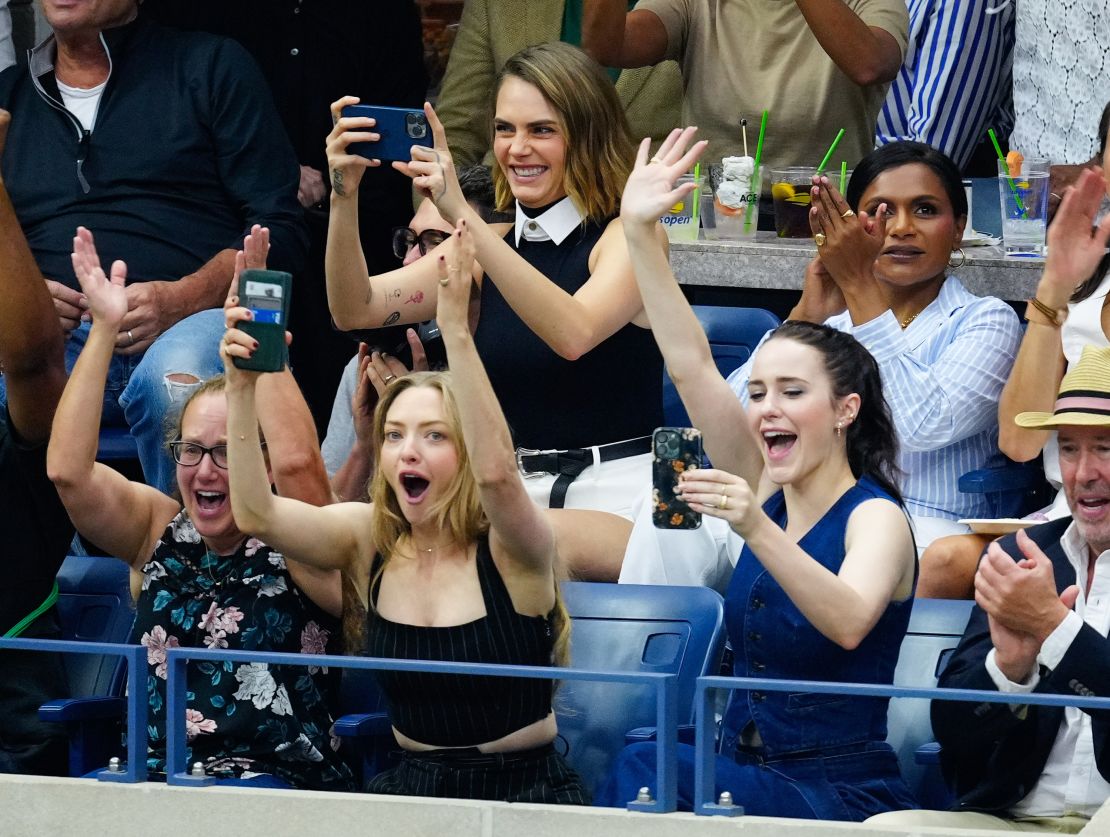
(405, 238)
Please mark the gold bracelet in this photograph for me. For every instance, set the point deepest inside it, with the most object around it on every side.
(1051, 314)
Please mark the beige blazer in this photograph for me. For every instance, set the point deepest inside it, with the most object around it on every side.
(491, 31)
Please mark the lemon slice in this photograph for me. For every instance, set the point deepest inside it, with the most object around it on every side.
(677, 208)
(804, 199)
(782, 191)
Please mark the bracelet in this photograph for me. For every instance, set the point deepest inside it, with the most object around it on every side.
(1051, 314)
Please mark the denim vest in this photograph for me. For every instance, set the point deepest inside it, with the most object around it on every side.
(771, 638)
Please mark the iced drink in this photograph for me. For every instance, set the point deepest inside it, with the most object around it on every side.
(1023, 191)
(681, 222)
(736, 200)
(790, 194)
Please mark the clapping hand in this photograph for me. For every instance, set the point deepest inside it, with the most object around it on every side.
(650, 190)
(106, 296)
(1075, 245)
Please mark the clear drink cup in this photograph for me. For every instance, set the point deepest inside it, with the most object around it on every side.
(1024, 198)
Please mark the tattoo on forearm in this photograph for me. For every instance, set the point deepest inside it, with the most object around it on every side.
(337, 183)
(392, 318)
(416, 297)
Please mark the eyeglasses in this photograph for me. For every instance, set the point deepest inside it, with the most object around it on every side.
(190, 453)
(405, 238)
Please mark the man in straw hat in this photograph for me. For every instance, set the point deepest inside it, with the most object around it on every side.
(1040, 624)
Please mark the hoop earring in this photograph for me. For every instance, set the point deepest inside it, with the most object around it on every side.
(961, 262)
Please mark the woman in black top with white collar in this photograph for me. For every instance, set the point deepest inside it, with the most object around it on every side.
(561, 327)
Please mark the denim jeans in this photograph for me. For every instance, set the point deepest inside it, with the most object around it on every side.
(138, 393)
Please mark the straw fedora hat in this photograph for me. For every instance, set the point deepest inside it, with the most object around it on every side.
(1084, 397)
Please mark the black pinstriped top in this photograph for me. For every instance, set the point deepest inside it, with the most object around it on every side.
(448, 710)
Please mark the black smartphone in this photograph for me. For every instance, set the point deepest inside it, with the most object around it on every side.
(675, 450)
(266, 294)
(399, 128)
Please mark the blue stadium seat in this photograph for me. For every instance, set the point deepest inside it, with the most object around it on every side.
(116, 443)
(94, 605)
(733, 334)
(936, 626)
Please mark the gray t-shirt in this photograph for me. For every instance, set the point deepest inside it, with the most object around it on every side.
(341, 437)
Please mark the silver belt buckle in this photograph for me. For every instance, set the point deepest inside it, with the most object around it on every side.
(522, 452)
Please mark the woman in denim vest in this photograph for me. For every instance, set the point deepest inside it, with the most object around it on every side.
(824, 585)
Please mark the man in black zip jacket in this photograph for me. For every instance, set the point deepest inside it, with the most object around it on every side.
(36, 527)
(168, 147)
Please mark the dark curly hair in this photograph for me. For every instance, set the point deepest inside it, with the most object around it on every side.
(904, 153)
(871, 440)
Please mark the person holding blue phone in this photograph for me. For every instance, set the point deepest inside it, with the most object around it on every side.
(823, 588)
(560, 326)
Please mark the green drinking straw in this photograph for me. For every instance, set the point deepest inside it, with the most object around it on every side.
(825, 161)
(843, 175)
(758, 157)
(697, 195)
(1010, 180)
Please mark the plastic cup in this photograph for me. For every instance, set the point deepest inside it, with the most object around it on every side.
(790, 194)
(1024, 200)
(680, 223)
(733, 218)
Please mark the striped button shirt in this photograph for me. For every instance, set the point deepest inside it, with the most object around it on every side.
(955, 81)
(942, 377)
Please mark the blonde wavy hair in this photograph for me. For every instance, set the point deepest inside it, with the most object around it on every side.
(458, 512)
(600, 149)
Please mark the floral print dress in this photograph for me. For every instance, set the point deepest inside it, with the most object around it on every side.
(242, 719)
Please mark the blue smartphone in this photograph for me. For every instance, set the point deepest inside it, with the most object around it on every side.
(399, 128)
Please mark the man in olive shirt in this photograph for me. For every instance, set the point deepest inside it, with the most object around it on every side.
(815, 65)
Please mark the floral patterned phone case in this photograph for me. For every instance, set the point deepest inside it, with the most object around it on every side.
(675, 450)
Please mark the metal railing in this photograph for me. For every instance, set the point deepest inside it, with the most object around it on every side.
(135, 655)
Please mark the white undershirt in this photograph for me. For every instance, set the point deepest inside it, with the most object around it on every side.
(82, 102)
(1070, 783)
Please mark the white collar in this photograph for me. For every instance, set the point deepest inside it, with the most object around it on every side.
(555, 224)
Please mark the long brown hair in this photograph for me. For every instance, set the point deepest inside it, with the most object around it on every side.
(599, 142)
(458, 512)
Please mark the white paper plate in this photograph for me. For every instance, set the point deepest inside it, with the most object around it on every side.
(997, 525)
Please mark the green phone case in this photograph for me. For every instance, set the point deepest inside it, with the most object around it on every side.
(271, 354)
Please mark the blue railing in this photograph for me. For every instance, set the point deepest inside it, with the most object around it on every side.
(705, 769)
(135, 655)
(665, 686)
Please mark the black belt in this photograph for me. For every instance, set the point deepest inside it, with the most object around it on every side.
(568, 464)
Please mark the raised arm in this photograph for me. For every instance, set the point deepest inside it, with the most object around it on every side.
(878, 564)
(570, 325)
(517, 524)
(866, 54)
(122, 517)
(616, 37)
(710, 402)
(1073, 256)
(30, 336)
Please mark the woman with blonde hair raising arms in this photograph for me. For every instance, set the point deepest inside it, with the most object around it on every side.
(453, 558)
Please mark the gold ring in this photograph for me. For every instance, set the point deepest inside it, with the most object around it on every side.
(130, 337)
(445, 282)
(819, 239)
(724, 501)
(848, 213)
(388, 378)
(655, 160)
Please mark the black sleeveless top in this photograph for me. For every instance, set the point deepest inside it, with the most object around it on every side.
(449, 710)
(612, 392)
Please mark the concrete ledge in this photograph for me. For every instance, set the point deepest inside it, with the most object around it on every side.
(32, 806)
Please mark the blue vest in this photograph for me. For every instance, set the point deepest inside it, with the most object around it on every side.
(771, 638)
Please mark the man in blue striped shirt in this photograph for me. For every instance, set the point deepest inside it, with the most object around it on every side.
(955, 81)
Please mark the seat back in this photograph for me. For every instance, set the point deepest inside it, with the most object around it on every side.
(632, 627)
(94, 605)
(936, 626)
(733, 335)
